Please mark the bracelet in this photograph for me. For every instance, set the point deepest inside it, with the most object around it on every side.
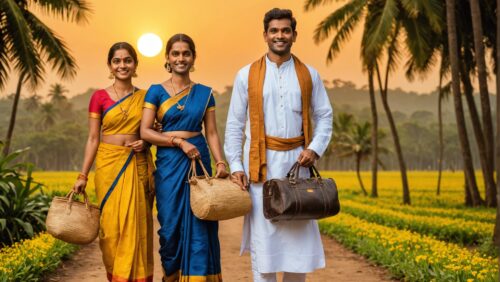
(82, 176)
(179, 144)
(220, 162)
(172, 138)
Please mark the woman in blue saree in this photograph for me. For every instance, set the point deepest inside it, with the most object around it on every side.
(189, 247)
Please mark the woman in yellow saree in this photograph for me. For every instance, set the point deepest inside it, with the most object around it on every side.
(123, 172)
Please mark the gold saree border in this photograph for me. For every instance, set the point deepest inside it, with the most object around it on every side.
(115, 278)
(165, 106)
(94, 115)
(149, 106)
(178, 277)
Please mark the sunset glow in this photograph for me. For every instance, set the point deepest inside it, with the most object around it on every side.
(149, 44)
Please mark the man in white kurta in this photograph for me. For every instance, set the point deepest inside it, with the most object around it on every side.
(293, 247)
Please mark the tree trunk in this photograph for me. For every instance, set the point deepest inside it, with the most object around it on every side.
(459, 112)
(477, 28)
(441, 143)
(13, 114)
(489, 182)
(358, 162)
(374, 137)
(496, 235)
(395, 137)
(468, 196)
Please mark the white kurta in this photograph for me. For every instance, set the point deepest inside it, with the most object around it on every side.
(290, 246)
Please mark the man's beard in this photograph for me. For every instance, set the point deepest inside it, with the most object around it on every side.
(280, 52)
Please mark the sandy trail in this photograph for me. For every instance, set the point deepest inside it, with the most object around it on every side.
(342, 264)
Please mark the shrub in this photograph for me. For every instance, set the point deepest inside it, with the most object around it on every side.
(23, 205)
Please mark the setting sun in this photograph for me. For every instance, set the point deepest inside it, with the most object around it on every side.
(149, 44)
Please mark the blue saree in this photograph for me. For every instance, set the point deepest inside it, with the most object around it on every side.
(189, 247)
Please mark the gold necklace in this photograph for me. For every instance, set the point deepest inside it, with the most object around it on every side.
(179, 106)
(123, 111)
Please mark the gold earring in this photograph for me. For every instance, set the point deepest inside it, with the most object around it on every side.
(135, 74)
(192, 69)
(111, 75)
(168, 67)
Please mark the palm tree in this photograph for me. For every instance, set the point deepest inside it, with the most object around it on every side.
(385, 23)
(496, 234)
(374, 134)
(26, 42)
(357, 143)
(48, 115)
(443, 93)
(485, 100)
(455, 79)
(32, 103)
(56, 94)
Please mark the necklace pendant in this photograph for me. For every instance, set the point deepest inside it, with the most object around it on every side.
(180, 108)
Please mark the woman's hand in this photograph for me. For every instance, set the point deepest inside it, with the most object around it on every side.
(189, 149)
(79, 186)
(158, 127)
(137, 146)
(221, 171)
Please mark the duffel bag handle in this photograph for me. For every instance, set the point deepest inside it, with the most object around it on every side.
(293, 173)
(314, 173)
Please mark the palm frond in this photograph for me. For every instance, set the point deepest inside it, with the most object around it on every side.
(70, 10)
(52, 47)
(422, 44)
(393, 49)
(381, 20)
(18, 41)
(446, 90)
(311, 4)
(4, 56)
(335, 20)
(431, 9)
(343, 34)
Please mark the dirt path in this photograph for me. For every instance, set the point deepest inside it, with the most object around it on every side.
(342, 264)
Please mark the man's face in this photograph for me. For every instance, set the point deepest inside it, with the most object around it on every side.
(280, 36)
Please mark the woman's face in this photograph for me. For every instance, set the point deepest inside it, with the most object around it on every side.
(122, 65)
(180, 58)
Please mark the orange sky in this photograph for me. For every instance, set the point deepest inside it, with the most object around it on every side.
(228, 35)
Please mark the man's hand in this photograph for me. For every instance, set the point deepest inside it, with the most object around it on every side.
(307, 158)
(240, 178)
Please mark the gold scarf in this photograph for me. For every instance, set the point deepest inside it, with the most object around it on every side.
(258, 142)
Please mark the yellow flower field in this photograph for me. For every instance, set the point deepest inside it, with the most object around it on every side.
(416, 243)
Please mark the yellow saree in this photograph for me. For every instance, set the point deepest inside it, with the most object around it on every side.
(124, 190)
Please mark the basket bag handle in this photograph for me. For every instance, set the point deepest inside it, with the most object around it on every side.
(70, 196)
(192, 175)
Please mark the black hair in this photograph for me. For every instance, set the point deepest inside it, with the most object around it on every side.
(180, 37)
(278, 14)
(122, 45)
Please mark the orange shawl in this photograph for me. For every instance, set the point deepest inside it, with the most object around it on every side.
(256, 114)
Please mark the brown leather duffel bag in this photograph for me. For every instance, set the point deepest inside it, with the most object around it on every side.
(294, 198)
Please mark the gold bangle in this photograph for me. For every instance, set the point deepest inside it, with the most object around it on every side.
(179, 144)
(82, 176)
(220, 162)
(172, 141)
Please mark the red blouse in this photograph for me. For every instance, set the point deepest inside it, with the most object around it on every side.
(99, 103)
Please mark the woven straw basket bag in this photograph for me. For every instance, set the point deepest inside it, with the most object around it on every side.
(216, 198)
(73, 221)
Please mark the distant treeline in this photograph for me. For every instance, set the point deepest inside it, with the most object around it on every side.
(56, 130)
